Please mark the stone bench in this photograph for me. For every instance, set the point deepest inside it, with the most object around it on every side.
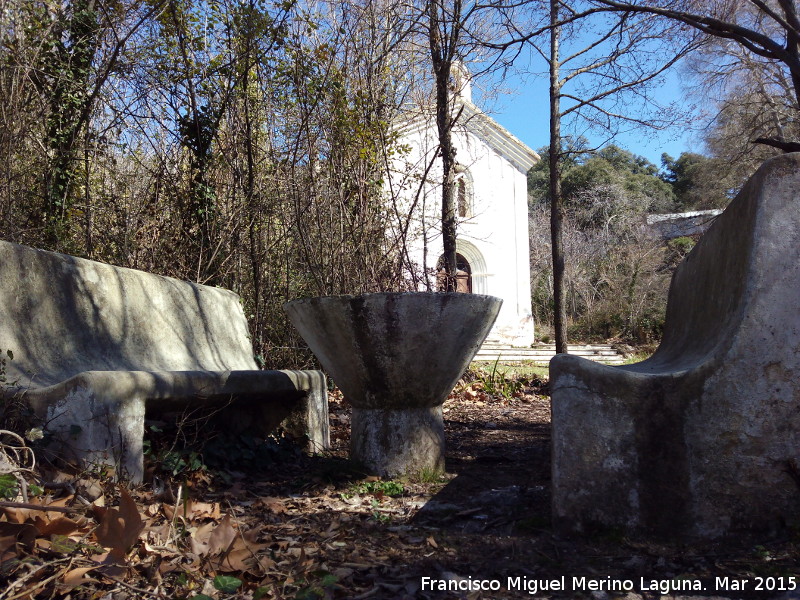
(96, 347)
(702, 439)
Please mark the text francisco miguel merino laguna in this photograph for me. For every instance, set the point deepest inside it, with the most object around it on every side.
(606, 584)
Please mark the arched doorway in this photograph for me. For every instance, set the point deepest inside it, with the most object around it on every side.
(479, 274)
(463, 275)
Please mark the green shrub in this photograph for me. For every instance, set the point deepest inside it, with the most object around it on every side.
(379, 488)
(9, 486)
(495, 382)
(677, 249)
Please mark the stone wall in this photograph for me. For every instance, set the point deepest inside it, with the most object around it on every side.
(671, 226)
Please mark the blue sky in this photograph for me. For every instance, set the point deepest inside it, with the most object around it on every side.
(524, 112)
(526, 116)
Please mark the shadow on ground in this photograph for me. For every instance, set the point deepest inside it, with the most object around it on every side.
(487, 520)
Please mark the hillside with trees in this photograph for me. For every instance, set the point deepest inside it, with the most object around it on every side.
(618, 269)
(245, 144)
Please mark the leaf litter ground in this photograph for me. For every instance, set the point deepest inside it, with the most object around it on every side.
(311, 527)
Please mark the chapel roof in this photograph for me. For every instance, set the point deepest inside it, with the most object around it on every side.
(474, 120)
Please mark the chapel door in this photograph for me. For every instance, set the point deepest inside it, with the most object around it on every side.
(463, 275)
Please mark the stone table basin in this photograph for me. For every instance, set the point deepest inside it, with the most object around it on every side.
(396, 357)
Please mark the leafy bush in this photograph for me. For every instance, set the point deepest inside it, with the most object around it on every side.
(616, 279)
(9, 486)
(677, 249)
(495, 383)
(379, 488)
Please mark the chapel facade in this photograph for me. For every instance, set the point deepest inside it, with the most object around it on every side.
(491, 205)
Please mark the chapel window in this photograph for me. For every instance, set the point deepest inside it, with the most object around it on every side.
(463, 193)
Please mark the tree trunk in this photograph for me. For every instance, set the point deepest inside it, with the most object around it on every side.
(448, 211)
(556, 208)
(442, 52)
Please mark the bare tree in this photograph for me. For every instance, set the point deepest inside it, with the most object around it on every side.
(445, 26)
(602, 83)
(752, 98)
(86, 41)
(457, 31)
(765, 29)
(615, 281)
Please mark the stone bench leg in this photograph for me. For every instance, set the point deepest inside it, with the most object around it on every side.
(309, 418)
(92, 430)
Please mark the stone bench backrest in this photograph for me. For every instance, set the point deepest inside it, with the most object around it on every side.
(62, 315)
(731, 270)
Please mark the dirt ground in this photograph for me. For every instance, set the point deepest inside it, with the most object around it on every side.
(492, 521)
(314, 527)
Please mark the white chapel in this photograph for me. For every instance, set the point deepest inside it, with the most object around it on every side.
(491, 204)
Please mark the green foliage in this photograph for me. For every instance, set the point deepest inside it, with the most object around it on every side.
(181, 462)
(68, 68)
(539, 175)
(616, 276)
(696, 181)
(239, 144)
(642, 353)
(429, 475)
(611, 178)
(9, 486)
(379, 488)
(197, 133)
(260, 592)
(495, 382)
(677, 249)
(322, 588)
(616, 270)
(227, 584)
(170, 456)
(377, 515)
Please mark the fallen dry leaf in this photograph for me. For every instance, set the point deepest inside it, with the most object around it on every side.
(222, 537)
(75, 577)
(202, 510)
(12, 534)
(191, 510)
(199, 538)
(120, 528)
(58, 526)
(274, 505)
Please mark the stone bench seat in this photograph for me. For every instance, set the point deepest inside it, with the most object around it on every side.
(97, 348)
(701, 440)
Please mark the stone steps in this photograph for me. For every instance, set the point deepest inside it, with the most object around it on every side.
(542, 353)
